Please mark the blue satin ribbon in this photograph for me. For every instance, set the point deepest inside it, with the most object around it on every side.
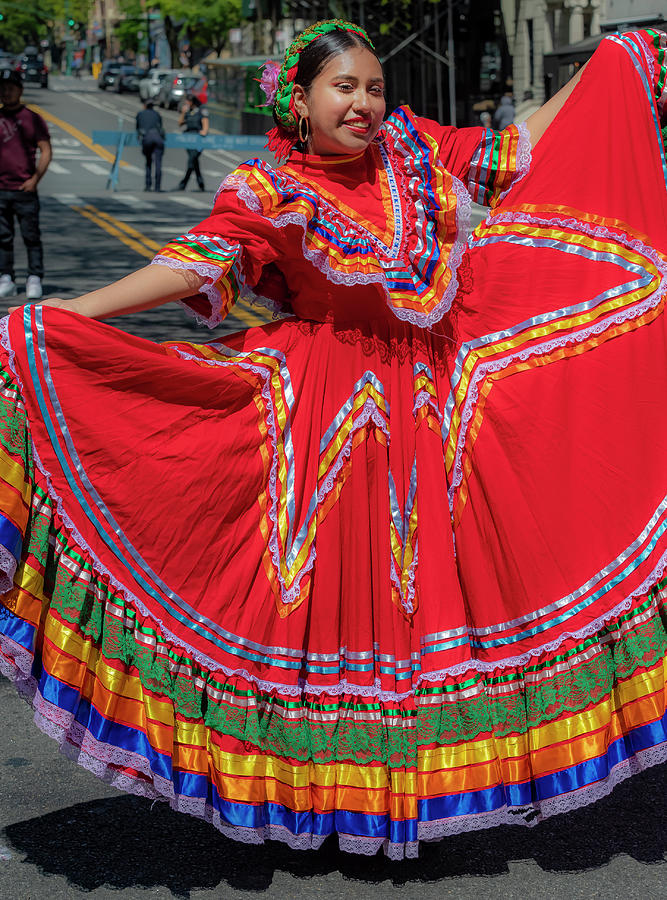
(17, 630)
(257, 815)
(10, 537)
(114, 733)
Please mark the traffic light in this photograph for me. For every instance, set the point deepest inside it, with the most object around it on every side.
(71, 23)
(2, 17)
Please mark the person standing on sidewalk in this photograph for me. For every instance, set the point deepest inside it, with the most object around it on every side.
(151, 134)
(193, 120)
(22, 133)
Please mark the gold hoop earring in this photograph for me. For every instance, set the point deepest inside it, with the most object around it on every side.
(304, 138)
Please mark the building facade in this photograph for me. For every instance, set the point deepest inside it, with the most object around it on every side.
(550, 39)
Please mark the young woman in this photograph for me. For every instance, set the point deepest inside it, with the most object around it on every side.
(392, 566)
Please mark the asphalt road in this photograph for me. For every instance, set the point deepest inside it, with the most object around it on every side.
(63, 834)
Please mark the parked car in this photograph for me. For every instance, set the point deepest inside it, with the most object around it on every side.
(108, 72)
(32, 69)
(150, 84)
(126, 79)
(7, 61)
(174, 90)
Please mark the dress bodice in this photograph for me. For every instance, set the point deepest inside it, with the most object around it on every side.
(389, 225)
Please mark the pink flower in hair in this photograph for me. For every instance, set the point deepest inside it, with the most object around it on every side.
(269, 80)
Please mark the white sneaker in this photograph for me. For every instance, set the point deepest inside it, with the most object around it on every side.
(33, 288)
(7, 286)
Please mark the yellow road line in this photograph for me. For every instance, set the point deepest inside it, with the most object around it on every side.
(79, 135)
(128, 229)
(146, 247)
(113, 230)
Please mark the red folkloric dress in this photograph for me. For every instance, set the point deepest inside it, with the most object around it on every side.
(392, 566)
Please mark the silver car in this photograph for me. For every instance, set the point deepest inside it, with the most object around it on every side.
(149, 86)
(174, 89)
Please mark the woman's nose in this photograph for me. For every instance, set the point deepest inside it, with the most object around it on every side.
(361, 100)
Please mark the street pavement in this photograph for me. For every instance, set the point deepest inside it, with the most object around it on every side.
(64, 834)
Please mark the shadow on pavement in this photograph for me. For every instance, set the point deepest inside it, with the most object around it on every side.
(126, 842)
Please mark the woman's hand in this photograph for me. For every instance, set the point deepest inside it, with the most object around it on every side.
(52, 301)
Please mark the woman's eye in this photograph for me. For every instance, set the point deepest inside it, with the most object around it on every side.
(345, 87)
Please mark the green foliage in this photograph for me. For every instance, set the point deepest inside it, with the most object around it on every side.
(31, 21)
(128, 28)
(203, 23)
(208, 21)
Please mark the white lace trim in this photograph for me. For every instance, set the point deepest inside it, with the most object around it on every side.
(463, 215)
(524, 158)
(320, 259)
(590, 630)
(207, 270)
(7, 570)
(105, 760)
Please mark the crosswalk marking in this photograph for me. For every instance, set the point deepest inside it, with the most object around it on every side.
(68, 199)
(128, 199)
(56, 169)
(96, 168)
(195, 204)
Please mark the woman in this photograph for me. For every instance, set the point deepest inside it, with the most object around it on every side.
(193, 120)
(389, 567)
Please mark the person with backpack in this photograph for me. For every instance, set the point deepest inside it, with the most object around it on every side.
(151, 135)
(22, 133)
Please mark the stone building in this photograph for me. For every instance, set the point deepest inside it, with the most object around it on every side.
(536, 27)
(563, 33)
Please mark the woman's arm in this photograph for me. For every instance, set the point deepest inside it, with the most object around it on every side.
(204, 126)
(151, 286)
(544, 116)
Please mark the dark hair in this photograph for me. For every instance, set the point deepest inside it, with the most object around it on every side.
(317, 54)
(196, 102)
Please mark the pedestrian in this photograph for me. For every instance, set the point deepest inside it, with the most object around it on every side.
(22, 134)
(193, 120)
(391, 567)
(485, 119)
(504, 114)
(77, 62)
(151, 136)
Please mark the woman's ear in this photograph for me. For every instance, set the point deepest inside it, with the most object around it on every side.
(300, 101)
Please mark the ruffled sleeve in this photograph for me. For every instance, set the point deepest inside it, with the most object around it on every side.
(235, 249)
(488, 162)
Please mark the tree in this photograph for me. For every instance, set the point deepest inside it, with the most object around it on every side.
(127, 30)
(37, 20)
(208, 22)
(204, 23)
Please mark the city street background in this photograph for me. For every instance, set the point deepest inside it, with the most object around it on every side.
(64, 834)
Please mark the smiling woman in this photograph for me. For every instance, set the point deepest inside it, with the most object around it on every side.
(393, 566)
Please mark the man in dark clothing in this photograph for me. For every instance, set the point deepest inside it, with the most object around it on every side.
(151, 135)
(22, 133)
